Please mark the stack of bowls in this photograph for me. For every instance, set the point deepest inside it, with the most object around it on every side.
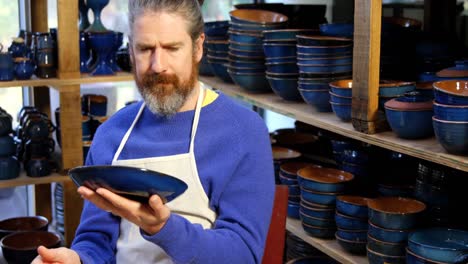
(288, 176)
(341, 96)
(351, 219)
(390, 221)
(321, 60)
(393, 89)
(217, 56)
(437, 245)
(319, 189)
(280, 155)
(215, 30)
(450, 119)
(410, 116)
(280, 52)
(246, 55)
(298, 248)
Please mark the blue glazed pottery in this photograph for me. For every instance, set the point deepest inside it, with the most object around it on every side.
(425, 89)
(354, 247)
(412, 258)
(325, 68)
(451, 112)
(283, 34)
(287, 181)
(353, 235)
(349, 222)
(451, 92)
(273, 50)
(324, 50)
(7, 66)
(84, 52)
(440, 244)
(254, 27)
(327, 60)
(289, 169)
(280, 59)
(246, 53)
(245, 38)
(102, 44)
(319, 99)
(315, 41)
(247, 64)
(452, 135)
(337, 29)
(245, 46)
(322, 198)
(217, 28)
(321, 86)
(217, 45)
(220, 70)
(245, 69)
(9, 168)
(335, 98)
(378, 258)
(252, 82)
(395, 212)
(316, 205)
(204, 68)
(18, 48)
(294, 190)
(320, 222)
(24, 68)
(355, 206)
(460, 70)
(282, 67)
(83, 20)
(323, 180)
(320, 232)
(97, 6)
(342, 111)
(386, 248)
(285, 88)
(388, 235)
(356, 156)
(293, 210)
(7, 146)
(393, 88)
(317, 212)
(257, 17)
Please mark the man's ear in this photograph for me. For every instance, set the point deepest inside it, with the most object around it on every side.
(199, 47)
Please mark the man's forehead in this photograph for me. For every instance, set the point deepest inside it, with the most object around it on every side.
(161, 24)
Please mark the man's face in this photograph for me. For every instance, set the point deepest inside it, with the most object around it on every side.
(165, 62)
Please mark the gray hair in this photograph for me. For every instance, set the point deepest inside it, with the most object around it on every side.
(188, 9)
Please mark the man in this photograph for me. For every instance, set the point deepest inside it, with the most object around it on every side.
(221, 150)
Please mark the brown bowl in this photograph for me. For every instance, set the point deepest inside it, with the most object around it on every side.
(26, 223)
(454, 87)
(325, 175)
(258, 16)
(21, 247)
(280, 153)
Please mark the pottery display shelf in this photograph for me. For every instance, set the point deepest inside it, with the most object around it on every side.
(427, 149)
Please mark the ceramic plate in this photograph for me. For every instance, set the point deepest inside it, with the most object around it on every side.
(133, 183)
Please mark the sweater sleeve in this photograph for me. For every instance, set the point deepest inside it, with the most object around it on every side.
(244, 211)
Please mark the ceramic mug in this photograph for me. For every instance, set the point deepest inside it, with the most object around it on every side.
(7, 146)
(39, 148)
(6, 66)
(24, 68)
(5, 124)
(38, 167)
(9, 168)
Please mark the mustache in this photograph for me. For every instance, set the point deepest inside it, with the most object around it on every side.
(154, 78)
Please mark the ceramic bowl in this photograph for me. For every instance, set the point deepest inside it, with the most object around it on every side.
(319, 99)
(257, 16)
(317, 212)
(355, 206)
(245, 38)
(280, 59)
(252, 82)
(248, 70)
(440, 244)
(388, 235)
(460, 70)
(320, 232)
(323, 198)
(452, 135)
(285, 34)
(342, 111)
(337, 29)
(451, 92)
(352, 235)
(293, 210)
(282, 154)
(287, 181)
(451, 112)
(307, 40)
(412, 258)
(349, 222)
(313, 86)
(386, 248)
(290, 169)
(426, 89)
(217, 28)
(354, 247)
(395, 212)
(318, 179)
(325, 68)
(326, 60)
(22, 247)
(259, 59)
(20, 224)
(319, 222)
(254, 28)
(217, 45)
(375, 257)
(282, 67)
(329, 51)
(220, 70)
(274, 50)
(342, 87)
(316, 205)
(245, 46)
(394, 88)
(339, 99)
(255, 54)
(247, 64)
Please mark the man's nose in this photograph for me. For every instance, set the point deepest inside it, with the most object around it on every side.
(158, 61)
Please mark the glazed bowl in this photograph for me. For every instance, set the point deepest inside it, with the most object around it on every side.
(257, 17)
(275, 50)
(350, 223)
(293, 210)
(412, 258)
(246, 38)
(340, 99)
(252, 82)
(395, 212)
(323, 179)
(452, 135)
(342, 87)
(318, 212)
(325, 68)
(342, 111)
(248, 47)
(337, 29)
(220, 70)
(353, 235)
(375, 257)
(338, 60)
(217, 28)
(283, 154)
(25, 223)
(386, 248)
(388, 235)
(307, 40)
(285, 34)
(451, 92)
(351, 246)
(285, 88)
(319, 99)
(217, 45)
(451, 112)
(320, 232)
(22, 247)
(282, 67)
(314, 221)
(389, 88)
(355, 206)
(323, 198)
(290, 169)
(328, 51)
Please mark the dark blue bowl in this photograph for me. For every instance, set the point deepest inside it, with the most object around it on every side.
(273, 50)
(440, 244)
(257, 55)
(339, 99)
(451, 112)
(286, 34)
(256, 48)
(282, 67)
(324, 50)
(342, 111)
(319, 222)
(217, 28)
(246, 58)
(395, 88)
(337, 29)
(330, 68)
(377, 258)
(349, 222)
(247, 64)
(425, 89)
(319, 232)
(205, 68)
(9, 168)
(355, 206)
(285, 88)
(327, 60)
(212, 54)
(280, 59)
(287, 181)
(322, 198)
(220, 70)
(451, 92)
(317, 212)
(353, 235)
(412, 258)
(354, 247)
(289, 169)
(342, 87)
(255, 27)
(388, 235)
(247, 70)
(322, 55)
(323, 180)
(307, 40)
(217, 45)
(313, 86)
(319, 99)
(245, 38)
(251, 82)
(395, 212)
(294, 190)
(452, 135)
(386, 248)
(410, 124)
(293, 210)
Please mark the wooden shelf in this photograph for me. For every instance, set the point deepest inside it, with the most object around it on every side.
(55, 82)
(23, 179)
(329, 247)
(427, 149)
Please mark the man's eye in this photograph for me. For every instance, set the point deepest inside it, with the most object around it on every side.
(173, 49)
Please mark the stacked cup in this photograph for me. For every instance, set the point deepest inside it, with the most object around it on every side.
(9, 166)
(450, 118)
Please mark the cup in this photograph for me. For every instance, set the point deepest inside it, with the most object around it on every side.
(5, 124)
(24, 68)
(38, 167)
(7, 146)
(9, 168)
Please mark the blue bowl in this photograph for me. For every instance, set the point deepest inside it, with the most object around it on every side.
(282, 67)
(322, 198)
(9, 168)
(451, 112)
(451, 92)
(412, 258)
(312, 54)
(312, 86)
(289, 169)
(217, 28)
(257, 48)
(251, 82)
(217, 45)
(285, 88)
(425, 89)
(273, 50)
(355, 206)
(254, 27)
(325, 68)
(293, 210)
(320, 232)
(323, 180)
(260, 59)
(324, 50)
(316, 205)
(410, 124)
(342, 87)
(247, 64)
(247, 70)
(353, 235)
(354, 247)
(319, 222)
(395, 212)
(280, 59)
(294, 190)
(220, 70)
(377, 258)
(337, 29)
(319, 99)
(388, 235)
(440, 244)
(245, 38)
(452, 135)
(342, 111)
(205, 68)
(394, 88)
(349, 222)
(287, 181)
(327, 60)
(317, 212)
(339, 99)
(283, 34)
(307, 40)
(386, 248)
(255, 54)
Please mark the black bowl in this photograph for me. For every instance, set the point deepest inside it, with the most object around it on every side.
(26, 223)
(22, 247)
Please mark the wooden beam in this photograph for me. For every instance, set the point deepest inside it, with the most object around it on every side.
(39, 16)
(366, 65)
(43, 200)
(439, 16)
(68, 39)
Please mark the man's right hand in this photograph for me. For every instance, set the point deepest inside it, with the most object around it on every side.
(56, 255)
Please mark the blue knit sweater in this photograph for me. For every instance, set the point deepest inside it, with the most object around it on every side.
(235, 166)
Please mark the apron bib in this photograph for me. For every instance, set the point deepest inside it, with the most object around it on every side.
(193, 204)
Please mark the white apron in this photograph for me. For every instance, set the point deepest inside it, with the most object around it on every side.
(193, 204)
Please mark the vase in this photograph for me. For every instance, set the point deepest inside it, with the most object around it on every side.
(83, 9)
(97, 6)
(102, 44)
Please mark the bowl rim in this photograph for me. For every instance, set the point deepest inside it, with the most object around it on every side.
(324, 47)
(49, 233)
(435, 119)
(436, 87)
(35, 217)
(431, 246)
(449, 106)
(347, 240)
(408, 251)
(372, 202)
(340, 197)
(322, 37)
(369, 222)
(234, 13)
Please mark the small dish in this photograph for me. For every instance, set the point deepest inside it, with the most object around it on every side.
(133, 183)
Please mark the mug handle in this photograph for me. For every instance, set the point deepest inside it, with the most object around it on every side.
(51, 145)
(462, 259)
(52, 127)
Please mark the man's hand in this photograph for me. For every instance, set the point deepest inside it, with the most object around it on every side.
(56, 256)
(149, 217)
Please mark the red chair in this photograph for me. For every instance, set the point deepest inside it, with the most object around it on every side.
(274, 247)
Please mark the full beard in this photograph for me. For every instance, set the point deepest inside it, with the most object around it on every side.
(165, 94)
